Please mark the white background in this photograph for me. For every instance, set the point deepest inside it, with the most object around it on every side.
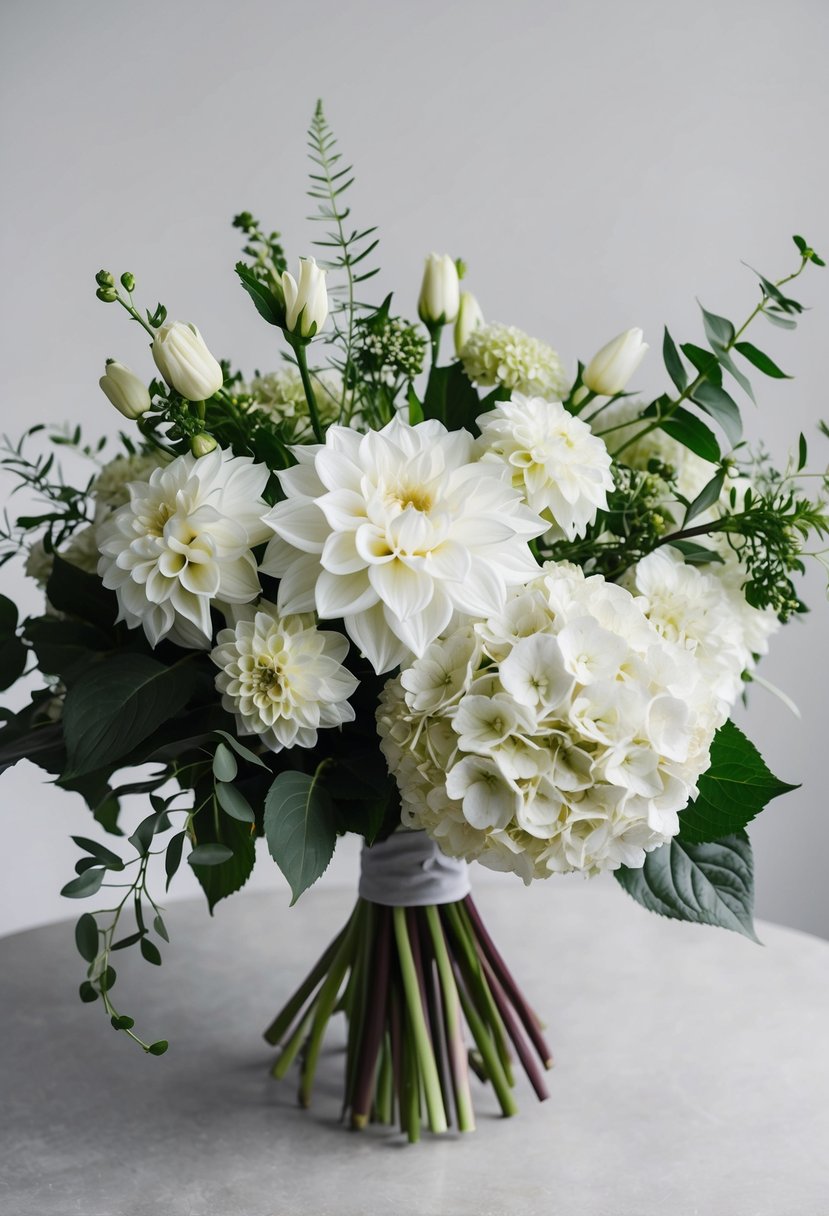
(598, 165)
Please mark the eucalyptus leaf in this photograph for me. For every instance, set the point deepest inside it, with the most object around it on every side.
(86, 937)
(720, 406)
(102, 855)
(225, 767)
(86, 884)
(234, 803)
(761, 361)
(244, 752)
(692, 433)
(209, 854)
(673, 362)
(708, 495)
(150, 952)
(172, 858)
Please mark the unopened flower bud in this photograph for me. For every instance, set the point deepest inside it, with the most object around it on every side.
(128, 281)
(185, 362)
(201, 444)
(104, 279)
(468, 320)
(125, 390)
(440, 291)
(611, 368)
(108, 294)
(306, 302)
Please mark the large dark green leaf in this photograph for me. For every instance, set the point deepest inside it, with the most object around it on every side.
(707, 884)
(300, 827)
(222, 879)
(691, 432)
(64, 647)
(118, 704)
(732, 792)
(12, 651)
(451, 398)
(268, 305)
(79, 594)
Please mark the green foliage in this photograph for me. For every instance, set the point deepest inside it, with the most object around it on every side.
(452, 398)
(119, 703)
(732, 792)
(708, 884)
(13, 653)
(300, 828)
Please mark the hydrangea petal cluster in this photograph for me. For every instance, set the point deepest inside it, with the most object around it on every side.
(282, 394)
(396, 530)
(501, 354)
(281, 677)
(703, 610)
(564, 733)
(556, 462)
(183, 541)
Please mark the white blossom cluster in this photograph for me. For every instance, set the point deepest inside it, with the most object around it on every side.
(564, 733)
(556, 462)
(282, 395)
(501, 354)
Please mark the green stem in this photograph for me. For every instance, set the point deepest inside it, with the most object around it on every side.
(286, 1015)
(452, 1018)
(302, 362)
(135, 314)
(417, 1019)
(326, 1001)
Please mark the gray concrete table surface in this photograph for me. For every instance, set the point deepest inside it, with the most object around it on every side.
(691, 1075)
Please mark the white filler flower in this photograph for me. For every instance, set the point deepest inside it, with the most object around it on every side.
(562, 734)
(554, 459)
(184, 540)
(502, 354)
(394, 531)
(281, 677)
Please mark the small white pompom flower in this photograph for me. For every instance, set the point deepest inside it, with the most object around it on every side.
(554, 459)
(281, 677)
(183, 541)
(502, 354)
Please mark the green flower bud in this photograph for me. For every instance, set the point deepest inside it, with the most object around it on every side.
(104, 279)
(128, 281)
(201, 444)
(108, 294)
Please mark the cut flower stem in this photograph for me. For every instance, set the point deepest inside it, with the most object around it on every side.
(413, 983)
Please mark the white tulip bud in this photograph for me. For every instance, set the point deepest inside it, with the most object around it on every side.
(185, 362)
(610, 368)
(124, 389)
(202, 444)
(306, 302)
(469, 319)
(440, 292)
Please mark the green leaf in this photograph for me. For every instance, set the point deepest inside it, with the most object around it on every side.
(673, 362)
(172, 858)
(234, 803)
(718, 330)
(150, 952)
(158, 1049)
(778, 319)
(218, 881)
(129, 940)
(415, 407)
(13, 653)
(225, 767)
(86, 937)
(761, 361)
(707, 884)
(719, 405)
(691, 432)
(451, 398)
(122, 1021)
(85, 884)
(696, 555)
(82, 595)
(802, 452)
(300, 827)
(64, 647)
(244, 752)
(102, 855)
(87, 993)
(708, 495)
(160, 927)
(117, 704)
(209, 854)
(732, 792)
(706, 364)
(267, 303)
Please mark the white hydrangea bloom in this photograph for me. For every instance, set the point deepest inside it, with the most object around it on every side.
(394, 531)
(566, 733)
(554, 459)
(82, 550)
(704, 611)
(184, 541)
(502, 354)
(281, 677)
(282, 394)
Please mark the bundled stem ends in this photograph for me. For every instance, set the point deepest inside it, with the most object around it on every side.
(412, 983)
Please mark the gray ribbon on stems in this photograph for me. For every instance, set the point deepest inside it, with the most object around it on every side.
(409, 871)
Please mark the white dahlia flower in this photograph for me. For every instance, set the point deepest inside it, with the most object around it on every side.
(394, 531)
(502, 354)
(183, 541)
(559, 466)
(563, 734)
(281, 677)
(110, 489)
